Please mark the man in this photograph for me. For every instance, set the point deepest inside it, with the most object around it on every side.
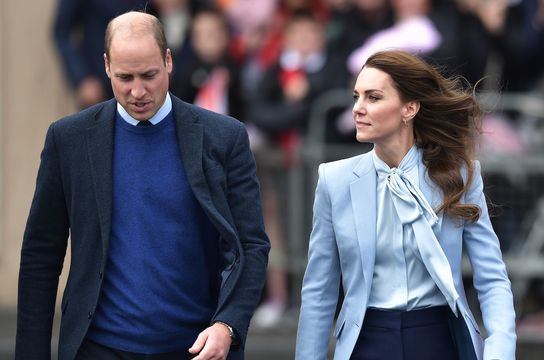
(168, 250)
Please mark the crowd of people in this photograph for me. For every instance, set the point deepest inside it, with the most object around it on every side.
(266, 61)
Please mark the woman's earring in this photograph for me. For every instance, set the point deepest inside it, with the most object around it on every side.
(405, 122)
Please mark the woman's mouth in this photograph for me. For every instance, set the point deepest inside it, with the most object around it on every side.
(361, 124)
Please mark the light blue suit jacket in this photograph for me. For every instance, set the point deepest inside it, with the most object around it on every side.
(343, 246)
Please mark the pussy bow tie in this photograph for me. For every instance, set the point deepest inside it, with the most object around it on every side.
(414, 210)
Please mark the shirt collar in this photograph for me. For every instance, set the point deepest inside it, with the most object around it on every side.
(407, 164)
(155, 119)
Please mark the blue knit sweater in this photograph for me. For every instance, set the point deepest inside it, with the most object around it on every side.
(160, 283)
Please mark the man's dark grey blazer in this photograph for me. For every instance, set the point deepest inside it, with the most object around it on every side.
(74, 197)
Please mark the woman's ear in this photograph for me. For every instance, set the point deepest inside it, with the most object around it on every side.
(410, 110)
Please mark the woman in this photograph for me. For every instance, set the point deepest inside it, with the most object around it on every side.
(392, 223)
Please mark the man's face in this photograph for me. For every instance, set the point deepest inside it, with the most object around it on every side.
(138, 74)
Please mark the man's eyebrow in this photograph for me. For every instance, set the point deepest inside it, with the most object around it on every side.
(150, 72)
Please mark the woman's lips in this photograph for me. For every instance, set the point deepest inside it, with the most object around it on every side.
(361, 124)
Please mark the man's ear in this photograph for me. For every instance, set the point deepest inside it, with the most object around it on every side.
(107, 65)
(168, 61)
(410, 110)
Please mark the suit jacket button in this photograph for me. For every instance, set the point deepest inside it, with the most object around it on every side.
(90, 315)
(100, 274)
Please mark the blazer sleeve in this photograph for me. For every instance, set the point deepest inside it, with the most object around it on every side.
(243, 198)
(321, 280)
(490, 277)
(42, 256)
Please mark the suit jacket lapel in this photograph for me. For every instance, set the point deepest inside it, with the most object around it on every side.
(190, 134)
(100, 150)
(363, 202)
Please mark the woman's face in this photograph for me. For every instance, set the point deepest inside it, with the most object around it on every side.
(378, 111)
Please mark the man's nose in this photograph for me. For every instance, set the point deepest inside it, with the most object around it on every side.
(138, 89)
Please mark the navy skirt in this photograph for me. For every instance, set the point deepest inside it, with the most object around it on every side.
(423, 334)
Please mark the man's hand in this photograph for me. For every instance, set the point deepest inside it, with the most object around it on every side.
(212, 344)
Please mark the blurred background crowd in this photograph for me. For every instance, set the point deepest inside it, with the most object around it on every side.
(286, 67)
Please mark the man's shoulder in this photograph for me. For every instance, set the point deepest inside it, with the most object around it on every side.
(200, 115)
(85, 118)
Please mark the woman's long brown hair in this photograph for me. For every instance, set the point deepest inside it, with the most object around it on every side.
(446, 126)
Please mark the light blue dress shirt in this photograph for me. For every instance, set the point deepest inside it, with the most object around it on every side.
(155, 119)
(400, 280)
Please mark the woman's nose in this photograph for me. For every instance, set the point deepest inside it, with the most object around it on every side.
(358, 107)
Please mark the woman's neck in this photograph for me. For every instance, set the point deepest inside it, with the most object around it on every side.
(392, 155)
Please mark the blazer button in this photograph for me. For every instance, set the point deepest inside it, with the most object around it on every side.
(90, 315)
(100, 274)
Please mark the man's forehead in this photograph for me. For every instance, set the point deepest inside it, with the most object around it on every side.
(132, 21)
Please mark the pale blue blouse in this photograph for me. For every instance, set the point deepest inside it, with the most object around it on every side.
(401, 280)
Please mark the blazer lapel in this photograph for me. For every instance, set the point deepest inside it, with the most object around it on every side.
(363, 202)
(190, 135)
(100, 150)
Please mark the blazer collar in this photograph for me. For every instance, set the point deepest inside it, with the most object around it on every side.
(100, 150)
(190, 135)
(364, 166)
(363, 203)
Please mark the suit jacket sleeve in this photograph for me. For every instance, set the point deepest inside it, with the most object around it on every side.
(42, 257)
(490, 278)
(243, 198)
(321, 280)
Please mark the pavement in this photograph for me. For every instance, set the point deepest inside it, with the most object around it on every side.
(274, 343)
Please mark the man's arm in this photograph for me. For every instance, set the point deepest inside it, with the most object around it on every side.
(244, 200)
(42, 257)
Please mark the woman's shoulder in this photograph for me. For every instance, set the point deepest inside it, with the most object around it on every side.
(359, 163)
